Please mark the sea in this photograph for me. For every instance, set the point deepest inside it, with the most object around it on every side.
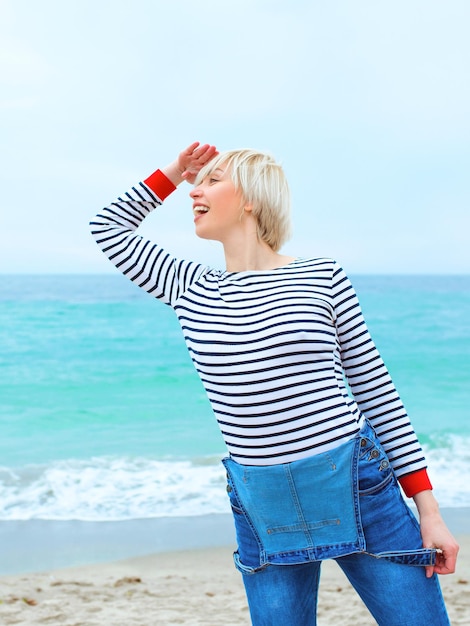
(103, 417)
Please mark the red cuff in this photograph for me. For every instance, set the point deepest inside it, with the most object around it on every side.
(160, 184)
(415, 482)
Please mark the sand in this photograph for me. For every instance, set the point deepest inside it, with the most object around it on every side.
(193, 587)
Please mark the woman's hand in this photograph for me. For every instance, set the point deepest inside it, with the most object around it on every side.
(435, 534)
(189, 162)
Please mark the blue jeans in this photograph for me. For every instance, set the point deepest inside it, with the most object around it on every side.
(395, 588)
(395, 594)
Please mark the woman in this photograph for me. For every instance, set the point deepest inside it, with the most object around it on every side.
(313, 468)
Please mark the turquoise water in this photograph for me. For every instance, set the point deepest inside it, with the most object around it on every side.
(421, 325)
(103, 416)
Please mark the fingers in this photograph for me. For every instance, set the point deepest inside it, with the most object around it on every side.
(203, 154)
(194, 158)
(190, 149)
(195, 154)
(446, 561)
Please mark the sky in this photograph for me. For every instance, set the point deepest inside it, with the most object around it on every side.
(365, 103)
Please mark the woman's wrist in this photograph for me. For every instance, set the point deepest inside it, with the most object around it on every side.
(174, 173)
(426, 504)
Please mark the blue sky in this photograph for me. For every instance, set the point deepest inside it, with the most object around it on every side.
(366, 103)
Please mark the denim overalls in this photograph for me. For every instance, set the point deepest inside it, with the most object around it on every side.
(336, 503)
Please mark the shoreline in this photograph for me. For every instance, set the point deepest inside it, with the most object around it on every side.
(40, 545)
(162, 572)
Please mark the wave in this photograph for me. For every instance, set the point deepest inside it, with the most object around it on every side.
(124, 488)
(112, 489)
(448, 458)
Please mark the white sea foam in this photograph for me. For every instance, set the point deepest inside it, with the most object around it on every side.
(449, 470)
(111, 489)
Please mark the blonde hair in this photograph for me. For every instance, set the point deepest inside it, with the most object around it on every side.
(263, 185)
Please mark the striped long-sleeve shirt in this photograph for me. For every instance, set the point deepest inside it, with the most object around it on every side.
(272, 348)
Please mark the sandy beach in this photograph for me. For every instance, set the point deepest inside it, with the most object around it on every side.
(193, 586)
(197, 587)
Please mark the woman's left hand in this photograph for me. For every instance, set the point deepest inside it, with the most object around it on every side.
(435, 534)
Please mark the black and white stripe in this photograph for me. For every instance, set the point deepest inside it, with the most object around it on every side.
(272, 348)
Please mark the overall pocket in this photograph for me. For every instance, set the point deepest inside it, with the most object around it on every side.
(390, 528)
(374, 469)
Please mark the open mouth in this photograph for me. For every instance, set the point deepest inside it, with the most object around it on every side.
(200, 209)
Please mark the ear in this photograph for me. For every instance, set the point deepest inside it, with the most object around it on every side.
(248, 208)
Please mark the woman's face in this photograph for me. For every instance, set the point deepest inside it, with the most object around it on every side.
(217, 205)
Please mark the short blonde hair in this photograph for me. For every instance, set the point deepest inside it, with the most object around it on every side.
(263, 185)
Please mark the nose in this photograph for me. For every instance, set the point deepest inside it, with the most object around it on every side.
(195, 192)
